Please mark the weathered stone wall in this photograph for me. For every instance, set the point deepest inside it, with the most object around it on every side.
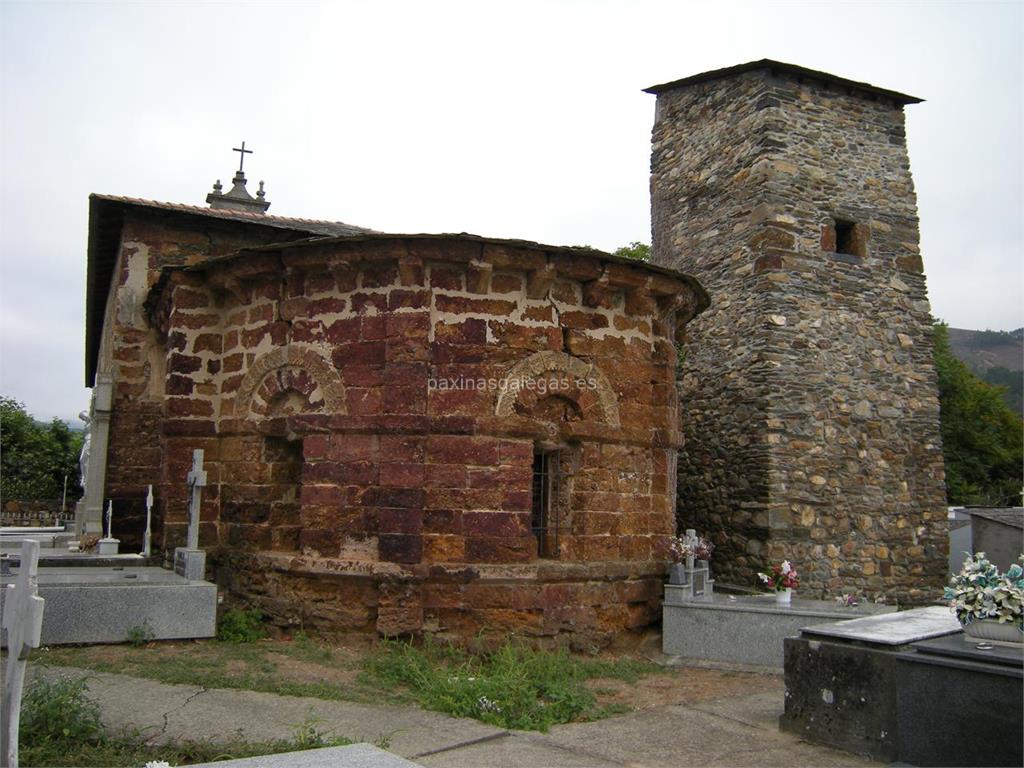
(810, 406)
(366, 468)
(131, 353)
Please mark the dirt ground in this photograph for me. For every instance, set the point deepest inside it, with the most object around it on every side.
(337, 666)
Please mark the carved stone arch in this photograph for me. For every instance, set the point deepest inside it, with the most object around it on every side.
(294, 368)
(558, 362)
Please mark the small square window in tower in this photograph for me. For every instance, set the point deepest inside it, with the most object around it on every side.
(849, 238)
(544, 508)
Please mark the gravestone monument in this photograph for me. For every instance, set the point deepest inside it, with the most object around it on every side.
(108, 545)
(93, 462)
(23, 622)
(148, 537)
(190, 561)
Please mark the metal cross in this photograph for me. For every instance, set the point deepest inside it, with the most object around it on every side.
(23, 620)
(196, 483)
(241, 158)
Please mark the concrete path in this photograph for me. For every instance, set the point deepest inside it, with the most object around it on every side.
(731, 731)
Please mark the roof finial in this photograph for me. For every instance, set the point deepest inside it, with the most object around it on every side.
(238, 198)
(241, 157)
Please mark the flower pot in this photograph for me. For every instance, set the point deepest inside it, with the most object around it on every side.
(992, 630)
(676, 573)
(784, 596)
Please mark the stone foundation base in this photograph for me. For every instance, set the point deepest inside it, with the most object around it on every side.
(547, 603)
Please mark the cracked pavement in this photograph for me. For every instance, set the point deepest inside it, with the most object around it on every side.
(733, 731)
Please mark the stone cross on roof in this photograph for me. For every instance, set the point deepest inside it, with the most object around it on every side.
(241, 158)
(238, 198)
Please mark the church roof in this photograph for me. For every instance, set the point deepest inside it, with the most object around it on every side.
(794, 71)
(106, 218)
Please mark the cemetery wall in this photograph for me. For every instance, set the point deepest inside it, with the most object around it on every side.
(372, 410)
(812, 420)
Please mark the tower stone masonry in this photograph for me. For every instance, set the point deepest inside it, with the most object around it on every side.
(808, 399)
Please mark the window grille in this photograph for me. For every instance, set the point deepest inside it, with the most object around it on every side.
(547, 491)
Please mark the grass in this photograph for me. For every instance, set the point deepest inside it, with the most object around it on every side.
(254, 666)
(512, 687)
(60, 726)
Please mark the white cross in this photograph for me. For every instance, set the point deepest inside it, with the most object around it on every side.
(23, 620)
(149, 520)
(196, 483)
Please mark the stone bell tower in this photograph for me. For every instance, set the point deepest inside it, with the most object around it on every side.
(809, 400)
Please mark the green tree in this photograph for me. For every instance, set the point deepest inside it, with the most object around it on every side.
(635, 250)
(982, 439)
(35, 457)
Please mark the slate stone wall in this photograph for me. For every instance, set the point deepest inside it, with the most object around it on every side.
(810, 409)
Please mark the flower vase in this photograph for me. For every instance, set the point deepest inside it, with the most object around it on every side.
(784, 596)
(992, 630)
(676, 573)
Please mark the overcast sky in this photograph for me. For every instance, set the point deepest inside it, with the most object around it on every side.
(513, 119)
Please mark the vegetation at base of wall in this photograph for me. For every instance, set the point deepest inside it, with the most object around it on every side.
(512, 687)
(60, 726)
(982, 439)
(36, 457)
(238, 625)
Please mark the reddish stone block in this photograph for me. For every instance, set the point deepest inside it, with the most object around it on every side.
(178, 363)
(506, 283)
(415, 299)
(373, 327)
(353, 447)
(408, 521)
(446, 476)
(495, 524)
(445, 277)
(446, 521)
(587, 321)
(404, 400)
(380, 275)
(500, 550)
(331, 305)
(365, 302)
(364, 402)
(189, 298)
(443, 549)
(360, 353)
(472, 331)
(340, 331)
(405, 498)
(263, 313)
(402, 475)
(399, 548)
(179, 385)
(180, 406)
(460, 449)
(402, 448)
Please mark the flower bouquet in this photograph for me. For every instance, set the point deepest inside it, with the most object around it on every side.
(782, 580)
(989, 604)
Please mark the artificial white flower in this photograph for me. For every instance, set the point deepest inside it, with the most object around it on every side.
(786, 567)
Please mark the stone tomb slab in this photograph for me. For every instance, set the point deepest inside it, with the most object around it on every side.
(744, 629)
(103, 605)
(960, 705)
(839, 679)
(352, 756)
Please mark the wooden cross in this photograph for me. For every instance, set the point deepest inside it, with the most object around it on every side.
(23, 620)
(241, 157)
(196, 483)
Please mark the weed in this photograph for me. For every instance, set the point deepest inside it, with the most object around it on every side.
(241, 626)
(512, 687)
(60, 726)
(140, 634)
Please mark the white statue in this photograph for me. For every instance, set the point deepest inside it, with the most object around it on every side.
(83, 457)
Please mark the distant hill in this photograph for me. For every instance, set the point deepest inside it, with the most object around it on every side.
(995, 356)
